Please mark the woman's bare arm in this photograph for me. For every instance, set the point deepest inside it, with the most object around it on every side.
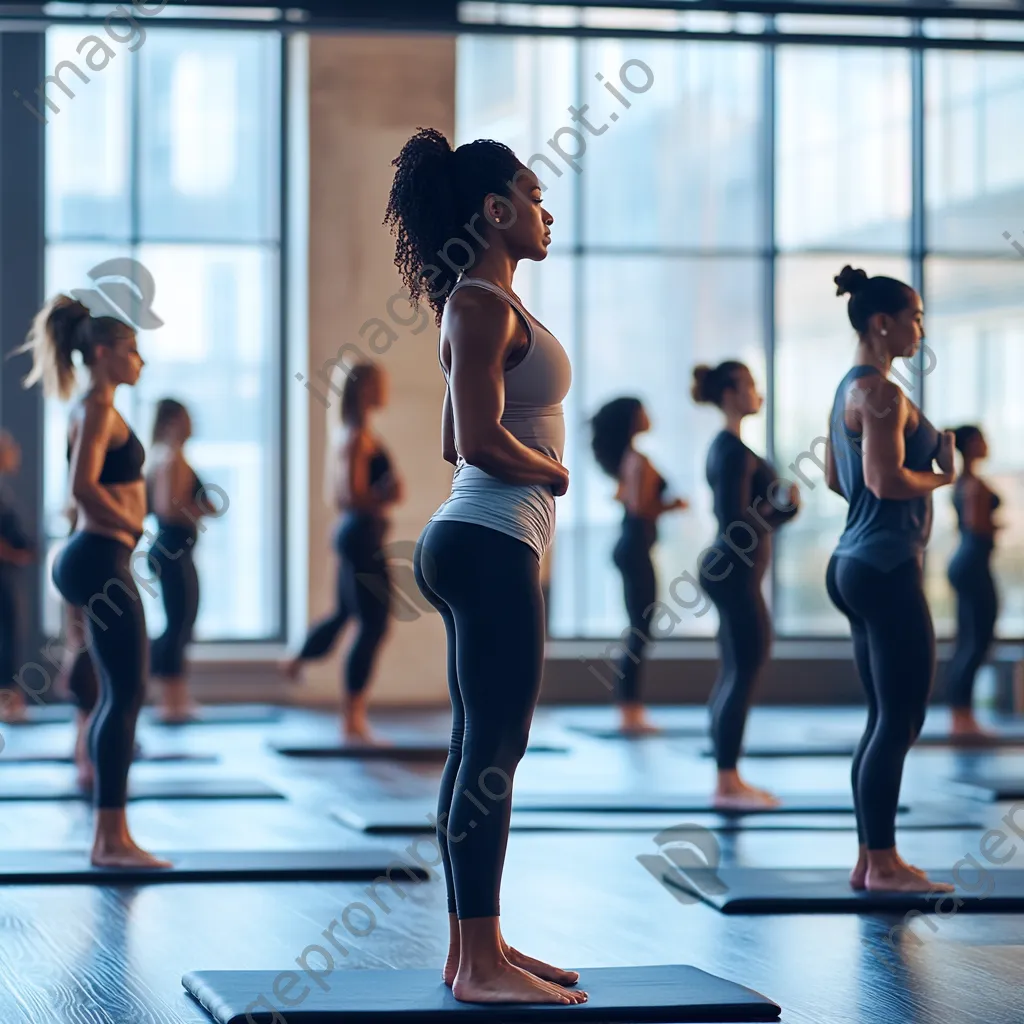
(481, 329)
(89, 449)
(978, 508)
(884, 448)
(448, 449)
(354, 492)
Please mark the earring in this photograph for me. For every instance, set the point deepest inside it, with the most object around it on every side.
(883, 332)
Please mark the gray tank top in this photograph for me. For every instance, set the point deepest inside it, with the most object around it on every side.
(883, 532)
(534, 390)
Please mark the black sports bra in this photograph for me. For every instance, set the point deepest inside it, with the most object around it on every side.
(122, 465)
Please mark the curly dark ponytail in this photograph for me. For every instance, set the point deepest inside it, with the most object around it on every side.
(436, 199)
(613, 427)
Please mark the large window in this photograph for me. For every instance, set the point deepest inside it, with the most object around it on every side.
(169, 156)
(707, 220)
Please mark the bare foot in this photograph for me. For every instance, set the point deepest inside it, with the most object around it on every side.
(635, 722)
(12, 707)
(539, 969)
(902, 878)
(125, 854)
(965, 727)
(745, 798)
(85, 775)
(509, 984)
(451, 967)
(859, 873)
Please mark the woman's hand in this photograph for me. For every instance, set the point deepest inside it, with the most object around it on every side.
(561, 482)
(944, 456)
(680, 503)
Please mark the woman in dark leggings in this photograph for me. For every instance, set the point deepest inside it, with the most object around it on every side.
(880, 455)
(16, 552)
(970, 574)
(366, 487)
(640, 489)
(93, 569)
(478, 559)
(750, 503)
(176, 497)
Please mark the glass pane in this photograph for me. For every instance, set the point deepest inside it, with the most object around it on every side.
(518, 91)
(975, 325)
(974, 120)
(814, 347)
(208, 139)
(216, 352)
(843, 148)
(88, 187)
(680, 166)
(648, 321)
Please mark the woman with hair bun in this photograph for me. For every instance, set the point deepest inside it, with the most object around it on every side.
(970, 575)
(478, 559)
(750, 503)
(366, 485)
(177, 499)
(640, 490)
(880, 454)
(93, 570)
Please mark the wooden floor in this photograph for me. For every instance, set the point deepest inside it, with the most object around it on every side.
(108, 955)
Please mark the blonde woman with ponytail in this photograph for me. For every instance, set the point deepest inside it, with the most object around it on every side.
(93, 569)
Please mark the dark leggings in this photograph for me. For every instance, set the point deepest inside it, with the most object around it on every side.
(94, 573)
(363, 593)
(632, 557)
(170, 559)
(977, 608)
(744, 640)
(12, 627)
(486, 585)
(894, 649)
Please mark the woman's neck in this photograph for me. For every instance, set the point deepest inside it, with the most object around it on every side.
(734, 423)
(494, 265)
(867, 356)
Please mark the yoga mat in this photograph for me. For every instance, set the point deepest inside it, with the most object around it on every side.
(71, 867)
(742, 890)
(397, 751)
(412, 818)
(667, 732)
(991, 786)
(636, 994)
(143, 789)
(837, 748)
(220, 714)
(6, 757)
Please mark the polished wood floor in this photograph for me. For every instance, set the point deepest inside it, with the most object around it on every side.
(115, 955)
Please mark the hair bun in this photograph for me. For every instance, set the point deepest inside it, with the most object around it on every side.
(699, 387)
(849, 281)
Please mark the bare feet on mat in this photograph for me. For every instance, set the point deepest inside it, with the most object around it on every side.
(733, 794)
(177, 707)
(114, 847)
(12, 706)
(355, 723)
(540, 969)
(634, 721)
(964, 726)
(505, 983)
(902, 878)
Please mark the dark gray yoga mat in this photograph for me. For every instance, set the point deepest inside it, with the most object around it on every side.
(668, 994)
(991, 786)
(739, 890)
(406, 818)
(397, 751)
(666, 732)
(677, 803)
(63, 757)
(220, 714)
(71, 867)
(837, 748)
(143, 789)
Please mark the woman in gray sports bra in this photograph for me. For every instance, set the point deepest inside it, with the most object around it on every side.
(478, 559)
(880, 459)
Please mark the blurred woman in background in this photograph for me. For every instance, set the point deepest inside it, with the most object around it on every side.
(641, 490)
(93, 569)
(16, 552)
(366, 486)
(748, 498)
(970, 575)
(176, 498)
